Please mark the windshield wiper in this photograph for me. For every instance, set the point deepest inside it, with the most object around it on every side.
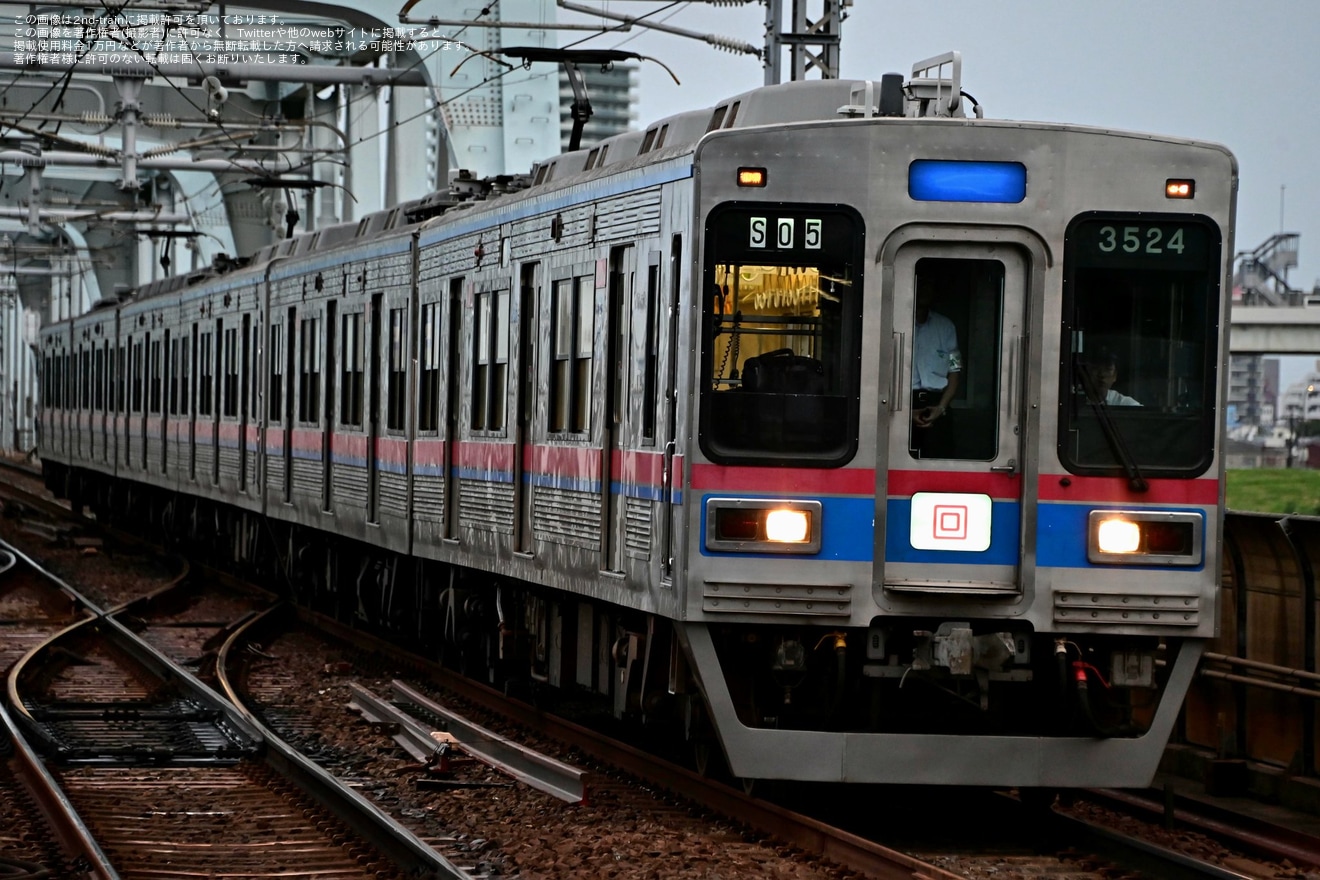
(1117, 443)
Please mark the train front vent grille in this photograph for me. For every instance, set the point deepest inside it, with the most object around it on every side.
(1126, 609)
(814, 600)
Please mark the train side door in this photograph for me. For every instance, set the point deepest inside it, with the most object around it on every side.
(453, 362)
(290, 366)
(952, 518)
(330, 372)
(618, 406)
(376, 370)
(525, 403)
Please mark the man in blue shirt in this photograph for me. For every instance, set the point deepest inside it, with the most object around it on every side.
(936, 369)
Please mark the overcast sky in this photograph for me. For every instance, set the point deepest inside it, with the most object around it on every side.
(1240, 72)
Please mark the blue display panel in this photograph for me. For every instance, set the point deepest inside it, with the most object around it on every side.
(936, 180)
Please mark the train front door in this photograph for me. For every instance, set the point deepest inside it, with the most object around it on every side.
(950, 518)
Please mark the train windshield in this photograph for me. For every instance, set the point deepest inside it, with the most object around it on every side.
(781, 332)
(1139, 353)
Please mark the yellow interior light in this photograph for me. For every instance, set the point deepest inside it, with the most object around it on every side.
(751, 177)
(1180, 189)
(787, 526)
(1118, 536)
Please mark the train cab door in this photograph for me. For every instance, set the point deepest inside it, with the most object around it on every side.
(952, 507)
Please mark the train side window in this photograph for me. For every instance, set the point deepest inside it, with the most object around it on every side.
(173, 405)
(428, 386)
(275, 360)
(121, 380)
(351, 382)
(309, 371)
(98, 400)
(253, 361)
(205, 376)
(229, 374)
(781, 340)
(490, 360)
(1138, 355)
(572, 349)
(398, 358)
(157, 364)
(86, 366)
(138, 375)
(185, 378)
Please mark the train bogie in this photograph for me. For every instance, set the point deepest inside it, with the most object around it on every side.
(878, 448)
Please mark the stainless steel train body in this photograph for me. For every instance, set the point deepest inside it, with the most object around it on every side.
(651, 415)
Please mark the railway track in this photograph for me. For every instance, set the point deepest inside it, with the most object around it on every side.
(158, 777)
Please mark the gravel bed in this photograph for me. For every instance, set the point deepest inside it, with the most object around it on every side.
(1191, 843)
(509, 829)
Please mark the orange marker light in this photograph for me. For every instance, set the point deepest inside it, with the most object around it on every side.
(1180, 189)
(751, 177)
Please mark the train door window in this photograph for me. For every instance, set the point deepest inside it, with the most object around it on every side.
(98, 368)
(229, 373)
(572, 349)
(205, 377)
(253, 367)
(174, 378)
(309, 371)
(781, 346)
(428, 386)
(185, 378)
(86, 365)
(956, 332)
(138, 377)
(397, 391)
(490, 360)
(350, 391)
(157, 365)
(275, 389)
(1139, 359)
(121, 381)
(651, 348)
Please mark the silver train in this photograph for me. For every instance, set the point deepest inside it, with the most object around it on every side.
(640, 424)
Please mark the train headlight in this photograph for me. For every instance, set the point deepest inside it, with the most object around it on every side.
(762, 525)
(1118, 536)
(1145, 537)
(787, 526)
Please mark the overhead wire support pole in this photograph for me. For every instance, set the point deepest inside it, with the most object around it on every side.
(801, 34)
(728, 44)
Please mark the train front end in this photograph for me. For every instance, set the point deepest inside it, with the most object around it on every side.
(1005, 582)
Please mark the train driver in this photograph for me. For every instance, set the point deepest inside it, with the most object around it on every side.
(936, 369)
(1099, 372)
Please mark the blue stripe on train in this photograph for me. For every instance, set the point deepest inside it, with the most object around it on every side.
(1005, 524)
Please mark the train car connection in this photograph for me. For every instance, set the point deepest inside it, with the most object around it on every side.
(656, 421)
